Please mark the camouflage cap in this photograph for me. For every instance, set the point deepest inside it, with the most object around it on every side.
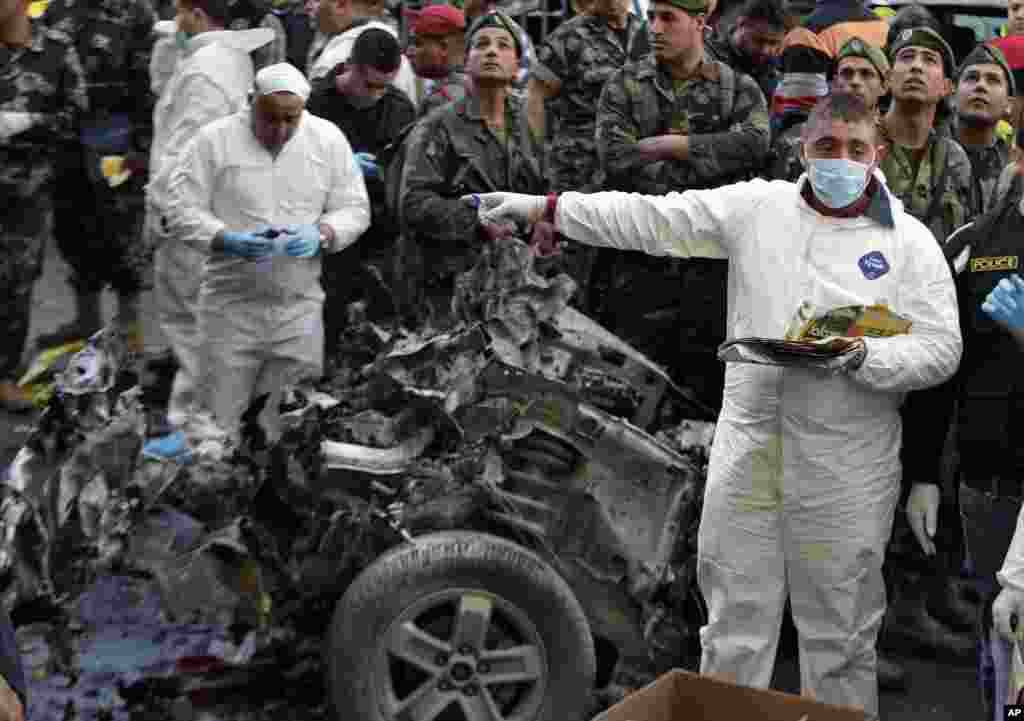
(859, 48)
(925, 38)
(988, 55)
(690, 6)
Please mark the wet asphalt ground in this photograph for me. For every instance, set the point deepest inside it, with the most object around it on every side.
(123, 633)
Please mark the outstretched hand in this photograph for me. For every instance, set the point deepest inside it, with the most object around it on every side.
(500, 208)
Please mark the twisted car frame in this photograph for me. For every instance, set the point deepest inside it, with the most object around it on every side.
(499, 519)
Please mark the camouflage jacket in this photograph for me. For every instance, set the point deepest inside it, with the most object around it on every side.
(442, 92)
(728, 129)
(784, 158)
(941, 195)
(581, 54)
(987, 164)
(45, 78)
(719, 47)
(114, 40)
(451, 153)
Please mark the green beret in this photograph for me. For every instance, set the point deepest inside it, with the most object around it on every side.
(496, 19)
(858, 48)
(988, 55)
(925, 38)
(690, 6)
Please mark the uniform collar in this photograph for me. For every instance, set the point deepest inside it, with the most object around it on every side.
(884, 131)
(707, 70)
(469, 106)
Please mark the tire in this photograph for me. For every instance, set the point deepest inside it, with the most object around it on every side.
(529, 606)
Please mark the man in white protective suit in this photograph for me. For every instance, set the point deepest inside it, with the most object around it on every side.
(264, 193)
(805, 471)
(211, 74)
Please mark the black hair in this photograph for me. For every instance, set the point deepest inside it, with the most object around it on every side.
(378, 49)
(847, 107)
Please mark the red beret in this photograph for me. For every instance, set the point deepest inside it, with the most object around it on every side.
(437, 20)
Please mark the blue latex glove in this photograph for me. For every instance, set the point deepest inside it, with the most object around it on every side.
(1006, 302)
(172, 447)
(368, 165)
(247, 245)
(303, 241)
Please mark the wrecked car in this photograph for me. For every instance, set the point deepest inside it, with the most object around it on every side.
(493, 521)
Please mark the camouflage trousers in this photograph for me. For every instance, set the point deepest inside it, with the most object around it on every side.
(23, 231)
(99, 231)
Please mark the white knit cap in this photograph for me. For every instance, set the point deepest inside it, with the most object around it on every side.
(282, 78)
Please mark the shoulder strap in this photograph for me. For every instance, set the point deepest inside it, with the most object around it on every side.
(939, 189)
(728, 81)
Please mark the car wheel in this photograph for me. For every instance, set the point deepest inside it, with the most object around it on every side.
(460, 626)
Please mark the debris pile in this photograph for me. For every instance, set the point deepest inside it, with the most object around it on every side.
(524, 420)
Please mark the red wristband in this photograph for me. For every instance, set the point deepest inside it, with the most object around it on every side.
(549, 209)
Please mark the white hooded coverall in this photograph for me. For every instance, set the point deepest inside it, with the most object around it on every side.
(804, 473)
(210, 80)
(261, 319)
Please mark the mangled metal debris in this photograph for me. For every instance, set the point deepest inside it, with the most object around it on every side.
(526, 422)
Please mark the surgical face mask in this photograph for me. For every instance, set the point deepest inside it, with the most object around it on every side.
(837, 182)
(182, 39)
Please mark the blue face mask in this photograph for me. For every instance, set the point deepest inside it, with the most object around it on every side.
(181, 39)
(837, 182)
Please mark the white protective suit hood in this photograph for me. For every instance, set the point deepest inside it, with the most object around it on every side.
(247, 40)
(221, 60)
(165, 56)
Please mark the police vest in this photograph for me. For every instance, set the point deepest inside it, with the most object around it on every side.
(991, 413)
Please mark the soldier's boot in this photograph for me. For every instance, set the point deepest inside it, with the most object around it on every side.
(13, 398)
(129, 321)
(910, 628)
(88, 320)
(891, 675)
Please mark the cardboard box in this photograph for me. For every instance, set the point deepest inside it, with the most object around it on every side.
(684, 696)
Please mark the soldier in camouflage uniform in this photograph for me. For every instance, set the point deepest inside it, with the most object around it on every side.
(42, 94)
(672, 122)
(862, 70)
(931, 174)
(566, 81)
(475, 145)
(98, 228)
(984, 88)
(565, 85)
(928, 172)
(753, 43)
